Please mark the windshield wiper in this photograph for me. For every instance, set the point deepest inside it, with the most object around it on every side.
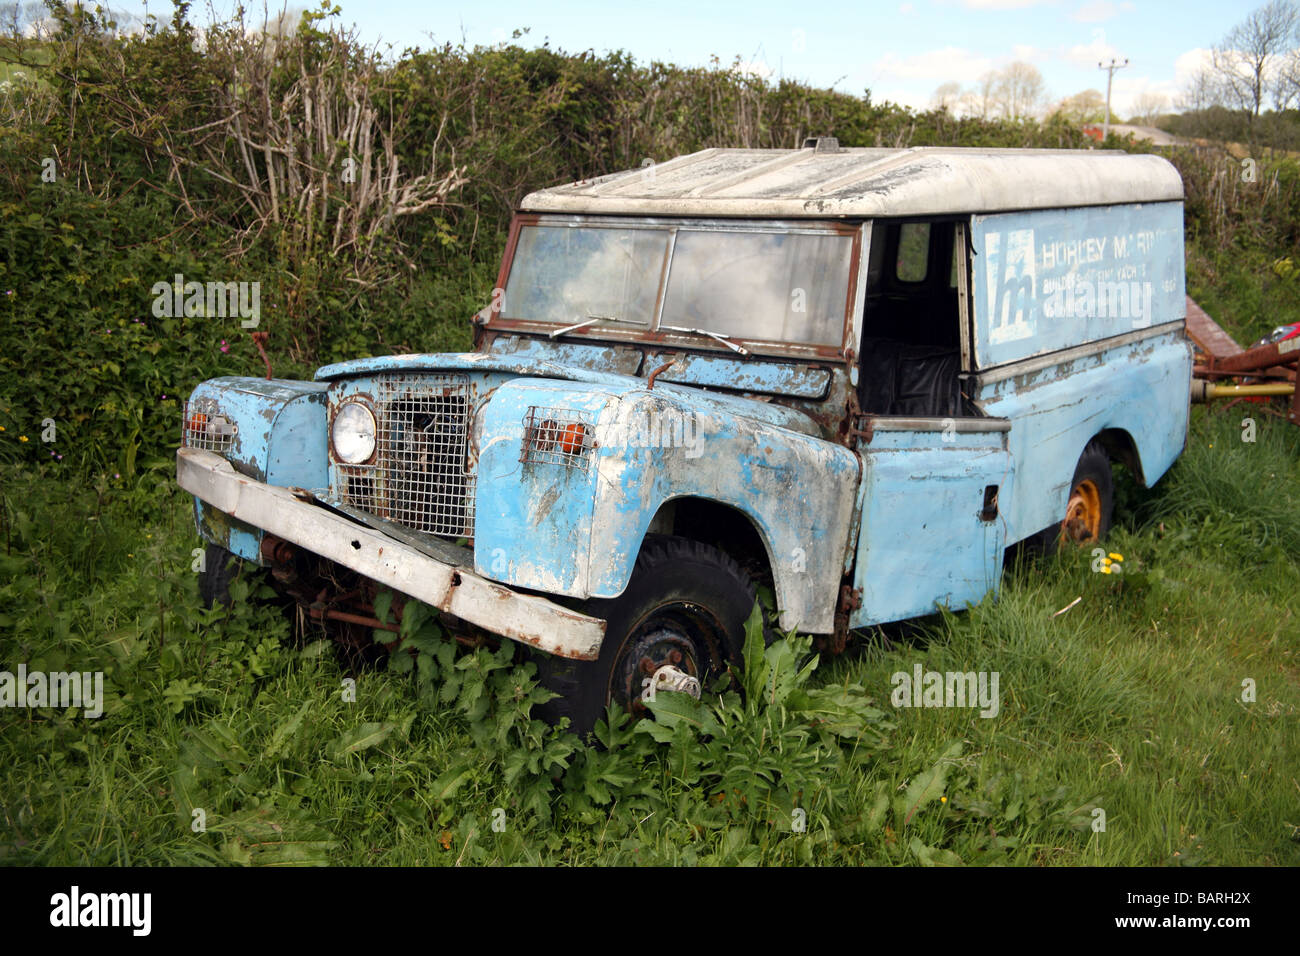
(716, 336)
(590, 320)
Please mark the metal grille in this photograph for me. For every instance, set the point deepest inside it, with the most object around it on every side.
(418, 479)
(557, 436)
(202, 427)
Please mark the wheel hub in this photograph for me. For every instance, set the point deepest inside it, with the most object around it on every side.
(661, 646)
(1082, 522)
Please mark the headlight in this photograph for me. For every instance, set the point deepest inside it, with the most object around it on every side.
(353, 433)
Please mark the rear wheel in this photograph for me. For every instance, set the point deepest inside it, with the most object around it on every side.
(1088, 509)
(1092, 498)
(685, 608)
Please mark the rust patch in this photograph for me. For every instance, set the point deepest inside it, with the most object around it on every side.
(259, 339)
(650, 382)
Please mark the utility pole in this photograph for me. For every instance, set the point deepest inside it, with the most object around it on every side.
(1110, 69)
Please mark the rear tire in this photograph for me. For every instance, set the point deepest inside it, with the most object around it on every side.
(1092, 498)
(686, 604)
(1089, 507)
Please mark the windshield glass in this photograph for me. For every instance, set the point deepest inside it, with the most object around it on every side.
(773, 284)
(760, 285)
(568, 274)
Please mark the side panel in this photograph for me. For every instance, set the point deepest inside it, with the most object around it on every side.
(1140, 388)
(533, 519)
(1057, 278)
(925, 538)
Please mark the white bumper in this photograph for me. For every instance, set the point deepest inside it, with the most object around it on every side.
(521, 617)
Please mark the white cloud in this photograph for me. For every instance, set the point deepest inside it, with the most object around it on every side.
(1097, 11)
(1001, 4)
(1100, 50)
(934, 66)
(906, 10)
(1022, 51)
(1188, 64)
(912, 98)
(1126, 90)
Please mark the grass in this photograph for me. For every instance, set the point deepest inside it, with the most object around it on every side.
(1130, 703)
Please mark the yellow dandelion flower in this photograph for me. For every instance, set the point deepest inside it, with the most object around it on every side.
(1115, 557)
(22, 438)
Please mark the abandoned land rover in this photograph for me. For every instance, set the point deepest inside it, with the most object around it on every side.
(855, 376)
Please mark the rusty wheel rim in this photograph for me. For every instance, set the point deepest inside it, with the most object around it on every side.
(1082, 522)
(681, 634)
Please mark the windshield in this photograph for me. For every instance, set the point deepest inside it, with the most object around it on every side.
(773, 284)
(760, 285)
(568, 274)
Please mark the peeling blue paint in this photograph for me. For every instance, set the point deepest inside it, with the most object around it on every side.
(1139, 389)
(280, 439)
(924, 542)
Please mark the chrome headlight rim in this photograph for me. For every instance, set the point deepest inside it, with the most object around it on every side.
(348, 446)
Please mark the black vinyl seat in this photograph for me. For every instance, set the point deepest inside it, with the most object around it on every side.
(913, 381)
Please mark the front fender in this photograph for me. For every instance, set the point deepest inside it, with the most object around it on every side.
(576, 529)
(280, 439)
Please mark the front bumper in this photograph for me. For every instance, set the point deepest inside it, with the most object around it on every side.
(521, 617)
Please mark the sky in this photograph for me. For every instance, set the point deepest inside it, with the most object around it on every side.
(901, 50)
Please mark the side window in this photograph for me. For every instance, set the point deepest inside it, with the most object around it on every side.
(913, 252)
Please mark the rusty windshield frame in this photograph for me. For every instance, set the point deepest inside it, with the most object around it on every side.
(627, 334)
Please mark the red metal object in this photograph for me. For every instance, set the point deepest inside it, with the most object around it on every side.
(333, 615)
(650, 383)
(259, 339)
(1220, 357)
(1208, 337)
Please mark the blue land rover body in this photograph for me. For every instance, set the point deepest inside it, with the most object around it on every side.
(855, 376)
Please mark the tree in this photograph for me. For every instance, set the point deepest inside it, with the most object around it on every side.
(1201, 92)
(1286, 84)
(946, 97)
(1245, 62)
(1148, 107)
(1085, 107)
(983, 96)
(1019, 90)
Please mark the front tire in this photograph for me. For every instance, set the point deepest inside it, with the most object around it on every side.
(220, 567)
(686, 605)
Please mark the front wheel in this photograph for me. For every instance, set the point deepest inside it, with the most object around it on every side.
(685, 607)
(219, 568)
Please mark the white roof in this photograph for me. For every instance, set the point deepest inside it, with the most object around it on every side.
(819, 183)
